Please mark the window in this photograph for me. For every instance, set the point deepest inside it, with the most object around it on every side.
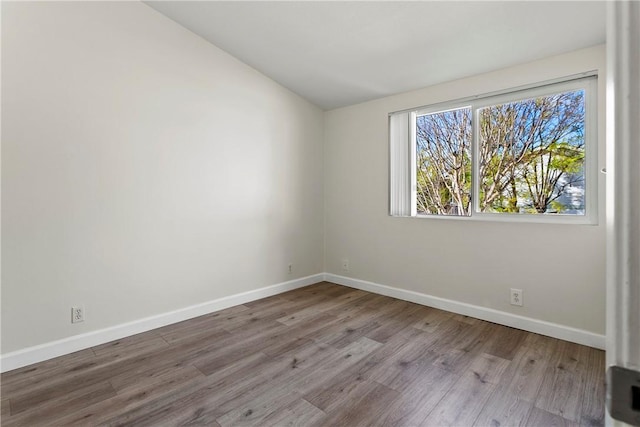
(526, 154)
(443, 162)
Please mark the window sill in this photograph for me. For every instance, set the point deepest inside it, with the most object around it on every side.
(517, 218)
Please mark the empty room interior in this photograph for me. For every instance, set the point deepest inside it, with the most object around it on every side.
(320, 213)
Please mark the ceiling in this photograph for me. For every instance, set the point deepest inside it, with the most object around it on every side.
(337, 53)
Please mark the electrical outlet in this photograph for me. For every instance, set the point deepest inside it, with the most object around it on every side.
(290, 268)
(77, 314)
(345, 265)
(516, 297)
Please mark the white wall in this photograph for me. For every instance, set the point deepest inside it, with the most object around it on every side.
(561, 268)
(143, 170)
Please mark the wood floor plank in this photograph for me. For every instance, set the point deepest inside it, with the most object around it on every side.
(133, 371)
(465, 319)
(592, 412)
(334, 389)
(97, 371)
(321, 288)
(408, 313)
(136, 344)
(361, 407)
(26, 413)
(45, 396)
(342, 333)
(512, 412)
(295, 366)
(167, 373)
(313, 310)
(273, 312)
(564, 382)
(387, 364)
(299, 413)
(431, 318)
(199, 325)
(220, 357)
(452, 334)
(377, 360)
(94, 370)
(465, 348)
(316, 356)
(264, 301)
(328, 392)
(186, 402)
(46, 367)
(5, 408)
(399, 370)
(30, 376)
(358, 318)
(464, 401)
(513, 398)
(418, 398)
(296, 336)
(367, 303)
(540, 418)
(361, 322)
(506, 343)
(333, 289)
(207, 401)
(318, 292)
(334, 366)
(255, 411)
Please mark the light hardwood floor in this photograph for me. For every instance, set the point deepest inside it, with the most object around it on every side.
(324, 355)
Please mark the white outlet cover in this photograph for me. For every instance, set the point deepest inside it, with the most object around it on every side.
(517, 297)
(77, 314)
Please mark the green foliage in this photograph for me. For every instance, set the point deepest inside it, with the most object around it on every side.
(557, 206)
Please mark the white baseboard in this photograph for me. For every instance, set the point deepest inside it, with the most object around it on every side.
(39, 353)
(541, 327)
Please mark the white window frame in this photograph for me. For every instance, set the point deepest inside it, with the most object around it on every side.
(403, 150)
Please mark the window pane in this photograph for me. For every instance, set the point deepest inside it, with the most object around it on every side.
(443, 163)
(532, 155)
